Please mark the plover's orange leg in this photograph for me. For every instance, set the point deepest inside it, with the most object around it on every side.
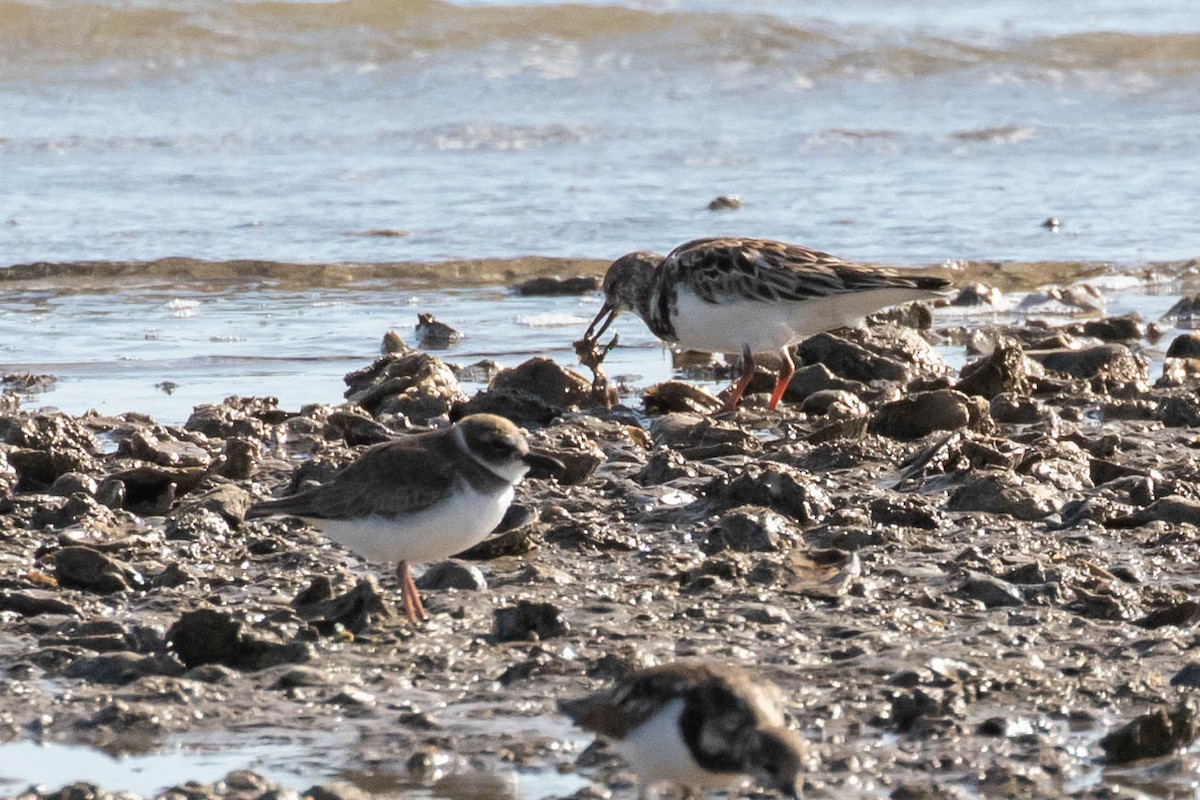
(416, 598)
(747, 373)
(785, 377)
(408, 593)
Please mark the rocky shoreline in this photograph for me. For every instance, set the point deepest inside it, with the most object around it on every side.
(979, 583)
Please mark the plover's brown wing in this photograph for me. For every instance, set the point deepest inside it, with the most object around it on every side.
(761, 269)
(614, 711)
(389, 479)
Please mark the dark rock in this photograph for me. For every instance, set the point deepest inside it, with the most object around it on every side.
(165, 451)
(1181, 613)
(512, 542)
(79, 509)
(816, 378)
(452, 575)
(977, 294)
(226, 500)
(851, 360)
(528, 621)
(992, 592)
(1151, 735)
(676, 396)
(834, 404)
(240, 458)
(206, 636)
(1002, 492)
(35, 602)
(749, 529)
(545, 379)
(1188, 676)
(1173, 510)
(725, 202)
(522, 408)
(236, 417)
(338, 790)
(776, 486)
(353, 611)
(151, 490)
(577, 464)
(1009, 409)
(1124, 328)
(435, 335)
(70, 483)
(210, 673)
(1179, 411)
(666, 464)
(38, 469)
(416, 385)
(85, 568)
(356, 428)
(392, 343)
(196, 524)
(124, 667)
(1186, 345)
(554, 287)
(1110, 362)
(919, 415)
(702, 437)
(1003, 371)
(907, 511)
(909, 707)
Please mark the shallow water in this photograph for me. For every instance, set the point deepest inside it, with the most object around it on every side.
(292, 760)
(908, 132)
(162, 351)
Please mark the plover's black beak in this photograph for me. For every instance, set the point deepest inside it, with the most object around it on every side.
(542, 464)
(593, 334)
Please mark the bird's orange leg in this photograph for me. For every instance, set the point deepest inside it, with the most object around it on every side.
(785, 377)
(416, 598)
(735, 395)
(408, 593)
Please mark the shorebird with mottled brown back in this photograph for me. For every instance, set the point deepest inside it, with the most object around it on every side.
(422, 497)
(748, 296)
(697, 726)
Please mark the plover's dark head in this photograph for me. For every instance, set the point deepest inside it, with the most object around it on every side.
(776, 759)
(500, 447)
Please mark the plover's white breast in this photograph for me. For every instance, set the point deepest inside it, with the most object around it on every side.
(656, 751)
(463, 519)
(766, 326)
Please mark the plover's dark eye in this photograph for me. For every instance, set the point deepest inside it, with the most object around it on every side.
(497, 449)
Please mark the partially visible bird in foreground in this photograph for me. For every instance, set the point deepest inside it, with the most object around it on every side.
(698, 726)
(748, 296)
(422, 497)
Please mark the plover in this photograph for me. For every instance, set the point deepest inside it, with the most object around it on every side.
(419, 498)
(748, 296)
(698, 726)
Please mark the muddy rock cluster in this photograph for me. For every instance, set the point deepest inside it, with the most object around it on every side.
(968, 582)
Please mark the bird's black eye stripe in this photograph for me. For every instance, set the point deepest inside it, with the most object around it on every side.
(498, 447)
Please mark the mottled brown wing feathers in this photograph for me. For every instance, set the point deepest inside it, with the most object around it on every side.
(390, 479)
(615, 711)
(767, 270)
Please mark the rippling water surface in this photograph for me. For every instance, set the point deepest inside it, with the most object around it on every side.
(909, 131)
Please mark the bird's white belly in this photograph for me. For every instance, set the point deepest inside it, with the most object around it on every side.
(766, 326)
(463, 519)
(656, 751)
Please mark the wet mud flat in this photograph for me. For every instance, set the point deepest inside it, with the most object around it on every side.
(976, 582)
